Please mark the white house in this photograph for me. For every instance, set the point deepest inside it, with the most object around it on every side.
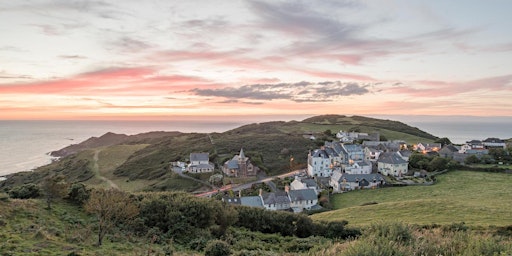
(199, 163)
(346, 182)
(275, 201)
(494, 143)
(358, 167)
(371, 154)
(319, 163)
(302, 199)
(392, 164)
(304, 183)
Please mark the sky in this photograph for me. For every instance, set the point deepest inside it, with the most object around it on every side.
(158, 59)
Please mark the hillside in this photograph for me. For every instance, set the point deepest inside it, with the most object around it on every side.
(144, 163)
(479, 199)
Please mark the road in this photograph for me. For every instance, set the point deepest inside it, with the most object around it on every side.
(248, 185)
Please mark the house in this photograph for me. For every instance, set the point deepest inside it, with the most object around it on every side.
(384, 146)
(352, 152)
(473, 147)
(275, 201)
(319, 163)
(302, 199)
(494, 143)
(200, 163)
(239, 166)
(304, 183)
(405, 154)
(427, 147)
(448, 151)
(392, 164)
(345, 182)
(358, 167)
(371, 154)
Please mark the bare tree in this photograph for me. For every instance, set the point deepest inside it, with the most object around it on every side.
(110, 206)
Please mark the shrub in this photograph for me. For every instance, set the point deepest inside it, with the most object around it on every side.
(25, 191)
(217, 248)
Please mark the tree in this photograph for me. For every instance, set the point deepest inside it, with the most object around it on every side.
(472, 159)
(54, 187)
(438, 164)
(78, 193)
(110, 207)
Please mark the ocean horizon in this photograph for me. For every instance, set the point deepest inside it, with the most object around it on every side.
(25, 144)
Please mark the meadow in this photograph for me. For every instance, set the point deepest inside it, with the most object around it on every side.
(478, 199)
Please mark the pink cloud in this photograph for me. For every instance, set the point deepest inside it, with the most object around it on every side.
(430, 88)
(122, 81)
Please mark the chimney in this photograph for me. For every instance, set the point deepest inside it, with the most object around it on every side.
(286, 188)
(261, 191)
(240, 193)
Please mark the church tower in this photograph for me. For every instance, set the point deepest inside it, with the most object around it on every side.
(242, 164)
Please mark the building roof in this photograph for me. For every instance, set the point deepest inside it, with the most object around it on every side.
(302, 195)
(202, 166)
(405, 153)
(391, 158)
(231, 200)
(493, 140)
(320, 153)
(232, 164)
(310, 182)
(449, 148)
(253, 201)
(279, 197)
(352, 147)
(331, 152)
(339, 177)
(199, 157)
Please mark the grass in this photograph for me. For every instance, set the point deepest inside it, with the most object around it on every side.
(476, 198)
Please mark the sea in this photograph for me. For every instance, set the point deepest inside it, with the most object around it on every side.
(25, 145)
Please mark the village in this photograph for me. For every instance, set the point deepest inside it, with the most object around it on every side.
(355, 161)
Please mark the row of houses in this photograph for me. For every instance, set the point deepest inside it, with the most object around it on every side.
(387, 158)
(299, 196)
(478, 148)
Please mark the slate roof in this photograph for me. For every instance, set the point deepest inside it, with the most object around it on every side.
(493, 140)
(302, 194)
(233, 163)
(309, 182)
(320, 153)
(253, 201)
(203, 166)
(338, 177)
(199, 157)
(450, 148)
(391, 158)
(279, 197)
(352, 147)
(231, 200)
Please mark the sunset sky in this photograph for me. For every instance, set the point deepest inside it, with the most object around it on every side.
(64, 59)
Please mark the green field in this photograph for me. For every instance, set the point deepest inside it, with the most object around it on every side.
(476, 198)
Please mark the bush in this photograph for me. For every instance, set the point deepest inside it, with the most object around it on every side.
(25, 191)
(217, 248)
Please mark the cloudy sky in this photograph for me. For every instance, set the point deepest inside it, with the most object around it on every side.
(157, 59)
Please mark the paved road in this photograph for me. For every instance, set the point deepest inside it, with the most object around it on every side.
(249, 185)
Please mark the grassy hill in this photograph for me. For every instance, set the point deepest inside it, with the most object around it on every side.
(475, 198)
(141, 162)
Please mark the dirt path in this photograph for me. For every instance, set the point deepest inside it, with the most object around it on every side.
(96, 170)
